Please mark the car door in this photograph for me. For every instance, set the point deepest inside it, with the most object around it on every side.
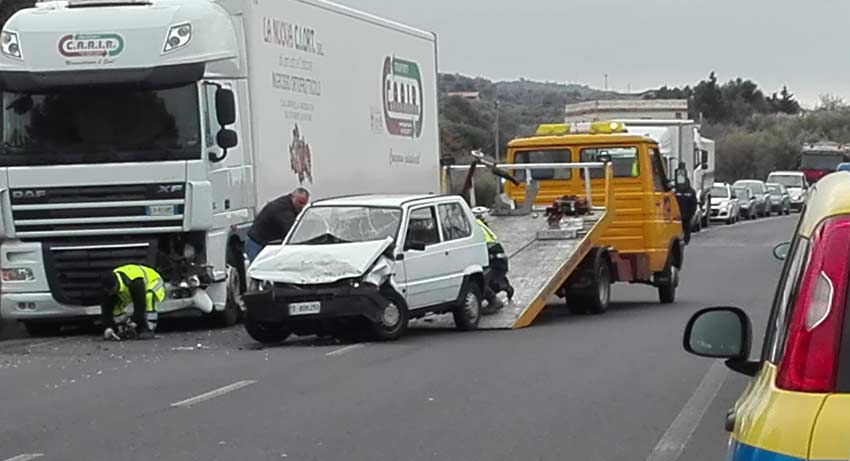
(462, 249)
(425, 273)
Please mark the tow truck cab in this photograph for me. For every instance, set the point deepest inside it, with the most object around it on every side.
(646, 233)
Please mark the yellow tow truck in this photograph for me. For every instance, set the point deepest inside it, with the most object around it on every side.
(586, 205)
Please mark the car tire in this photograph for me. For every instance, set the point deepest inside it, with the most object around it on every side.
(235, 305)
(667, 291)
(467, 312)
(266, 332)
(394, 318)
(43, 329)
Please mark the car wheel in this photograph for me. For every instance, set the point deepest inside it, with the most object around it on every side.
(667, 290)
(394, 318)
(43, 329)
(266, 332)
(467, 313)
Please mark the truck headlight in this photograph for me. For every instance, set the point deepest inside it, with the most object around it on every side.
(179, 35)
(10, 45)
(17, 274)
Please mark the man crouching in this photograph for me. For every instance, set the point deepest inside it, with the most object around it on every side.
(130, 285)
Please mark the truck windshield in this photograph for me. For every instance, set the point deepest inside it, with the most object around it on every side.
(786, 180)
(100, 124)
(323, 225)
(821, 161)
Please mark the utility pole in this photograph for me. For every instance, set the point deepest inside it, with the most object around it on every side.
(606, 82)
(496, 151)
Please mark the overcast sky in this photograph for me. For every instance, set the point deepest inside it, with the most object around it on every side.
(642, 43)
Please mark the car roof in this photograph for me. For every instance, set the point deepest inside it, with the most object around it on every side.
(786, 173)
(378, 200)
(830, 196)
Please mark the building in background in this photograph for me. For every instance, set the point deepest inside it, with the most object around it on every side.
(654, 109)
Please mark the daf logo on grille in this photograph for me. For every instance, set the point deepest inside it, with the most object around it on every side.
(31, 193)
(170, 188)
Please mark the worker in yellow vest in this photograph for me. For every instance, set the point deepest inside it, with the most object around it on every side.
(136, 285)
(496, 275)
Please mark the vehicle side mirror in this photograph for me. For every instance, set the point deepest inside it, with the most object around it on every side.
(227, 138)
(722, 333)
(781, 251)
(414, 245)
(225, 107)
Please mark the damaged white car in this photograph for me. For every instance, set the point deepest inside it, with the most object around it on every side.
(377, 261)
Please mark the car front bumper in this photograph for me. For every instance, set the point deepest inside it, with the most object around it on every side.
(272, 305)
(721, 214)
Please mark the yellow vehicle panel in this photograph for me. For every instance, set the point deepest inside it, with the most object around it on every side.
(831, 437)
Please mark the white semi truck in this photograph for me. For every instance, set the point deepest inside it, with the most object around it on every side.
(152, 131)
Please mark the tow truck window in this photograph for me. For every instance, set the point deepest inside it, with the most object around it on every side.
(659, 179)
(101, 124)
(544, 156)
(623, 159)
(454, 222)
(422, 226)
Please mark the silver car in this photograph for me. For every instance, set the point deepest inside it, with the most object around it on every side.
(780, 199)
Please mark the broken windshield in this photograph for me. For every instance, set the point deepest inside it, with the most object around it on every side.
(328, 225)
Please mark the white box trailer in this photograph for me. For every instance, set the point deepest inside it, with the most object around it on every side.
(152, 131)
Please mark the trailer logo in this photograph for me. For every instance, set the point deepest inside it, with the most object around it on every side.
(403, 100)
(300, 158)
(75, 46)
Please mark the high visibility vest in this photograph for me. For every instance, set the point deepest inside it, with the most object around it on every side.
(489, 235)
(154, 286)
(635, 171)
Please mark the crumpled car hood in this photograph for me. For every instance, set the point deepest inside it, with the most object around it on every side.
(316, 264)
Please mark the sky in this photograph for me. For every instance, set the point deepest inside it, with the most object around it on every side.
(640, 44)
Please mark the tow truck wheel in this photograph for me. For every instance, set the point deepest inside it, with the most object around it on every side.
(467, 313)
(667, 290)
(597, 299)
(266, 332)
(393, 322)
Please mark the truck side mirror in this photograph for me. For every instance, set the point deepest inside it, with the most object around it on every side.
(227, 138)
(225, 107)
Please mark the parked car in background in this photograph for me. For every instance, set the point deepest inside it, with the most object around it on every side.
(724, 206)
(746, 202)
(761, 194)
(844, 166)
(795, 182)
(797, 406)
(780, 200)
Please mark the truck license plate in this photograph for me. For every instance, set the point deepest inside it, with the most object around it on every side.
(305, 308)
(161, 210)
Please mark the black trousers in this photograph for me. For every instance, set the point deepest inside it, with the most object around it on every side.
(138, 291)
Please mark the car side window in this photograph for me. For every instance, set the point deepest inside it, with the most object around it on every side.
(422, 226)
(454, 222)
(783, 304)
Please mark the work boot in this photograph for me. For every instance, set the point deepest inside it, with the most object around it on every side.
(110, 335)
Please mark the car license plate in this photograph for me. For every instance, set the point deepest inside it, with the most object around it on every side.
(305, 308)
(161, 210)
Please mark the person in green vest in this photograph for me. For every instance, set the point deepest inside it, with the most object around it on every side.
(496, 275)
(136, 285)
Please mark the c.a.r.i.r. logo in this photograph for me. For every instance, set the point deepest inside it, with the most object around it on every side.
(91, 45)
(403, 101)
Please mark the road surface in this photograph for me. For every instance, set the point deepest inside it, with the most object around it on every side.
(611, 387)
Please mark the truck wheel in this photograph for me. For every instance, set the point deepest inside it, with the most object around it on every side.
(596, 301)
(394, 319)
(667, 290)
(467, 313)
(266, 332)
(42, 329)
(235, 304)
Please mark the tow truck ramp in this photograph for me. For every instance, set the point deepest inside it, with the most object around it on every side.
(540, 259)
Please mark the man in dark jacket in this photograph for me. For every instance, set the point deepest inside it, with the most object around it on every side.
(687, 198)
(275, 220)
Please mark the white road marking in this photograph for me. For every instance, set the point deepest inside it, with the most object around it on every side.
(212, 394)
(343, 350)
(673, 442)
(25, 457)
(47, 343)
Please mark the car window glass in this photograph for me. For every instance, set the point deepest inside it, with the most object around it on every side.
(659, 180)
(422, 226)
(454, 222)
(786, 294)
(544, 156)
(624, 161)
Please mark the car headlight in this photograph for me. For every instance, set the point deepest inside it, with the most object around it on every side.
(10, 45)
(179, 35)
(258, 285)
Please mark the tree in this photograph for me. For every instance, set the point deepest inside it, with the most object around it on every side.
(708, 99)
(786, 102)
(832, 103)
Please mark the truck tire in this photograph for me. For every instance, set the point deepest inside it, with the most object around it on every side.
(266, 332)
(667, 290)
(597, 301)
(395, 317)
(467, 313)
(235, 304)
(42, 329)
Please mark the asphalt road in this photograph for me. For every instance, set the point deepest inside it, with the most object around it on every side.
(612, 387)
